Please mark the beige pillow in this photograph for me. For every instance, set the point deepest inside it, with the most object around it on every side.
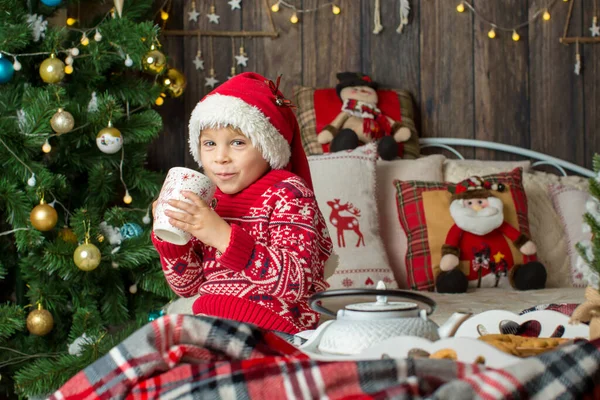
(544, 222)
(427, 169)
(457, 170)
(570, 204)
(344, 184)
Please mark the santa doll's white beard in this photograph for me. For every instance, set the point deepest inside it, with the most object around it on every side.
(478, 222)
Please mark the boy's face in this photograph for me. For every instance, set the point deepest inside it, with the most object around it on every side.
(230, 159)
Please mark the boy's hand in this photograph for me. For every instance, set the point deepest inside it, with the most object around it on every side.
(200, 220)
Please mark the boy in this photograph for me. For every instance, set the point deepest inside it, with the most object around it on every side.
(258, 255)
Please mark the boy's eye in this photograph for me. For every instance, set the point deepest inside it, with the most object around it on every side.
(237, 142)
(208, 143)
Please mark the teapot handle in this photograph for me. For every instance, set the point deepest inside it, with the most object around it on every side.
(315, 298)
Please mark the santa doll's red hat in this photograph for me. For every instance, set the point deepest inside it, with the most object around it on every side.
(475, 188)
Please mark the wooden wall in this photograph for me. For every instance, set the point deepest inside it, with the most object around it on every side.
(464, 84)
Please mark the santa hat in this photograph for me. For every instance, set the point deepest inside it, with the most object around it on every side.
(254, 105)
(475, 188)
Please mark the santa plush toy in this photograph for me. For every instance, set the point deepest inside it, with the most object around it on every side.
(360, 121)
(480, 238)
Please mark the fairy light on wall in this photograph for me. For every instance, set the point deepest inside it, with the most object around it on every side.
(295, 18)
(544, 13)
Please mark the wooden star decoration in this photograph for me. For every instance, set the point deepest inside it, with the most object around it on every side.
(242, 60)
(199, 63)
(213, 18)
(193, 15)
(595, 30)
(211, 81)
(235, 4)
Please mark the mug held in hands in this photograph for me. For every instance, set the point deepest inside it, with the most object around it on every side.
(179, 179)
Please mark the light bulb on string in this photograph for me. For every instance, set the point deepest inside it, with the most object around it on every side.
(492, 33)
(275, 7)
(17, 65)
(71, 21)
(546, 15)
(294, 19)
(335, 9)
(97, 36)
(46, 148)
(69, 60)
(460, 8)
(84, 40)
(69, 69)
(31, 181)
(127, 199)
(164, 15)
(75, 51)
(515, 36)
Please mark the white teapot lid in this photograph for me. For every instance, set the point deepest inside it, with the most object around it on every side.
(382, 304)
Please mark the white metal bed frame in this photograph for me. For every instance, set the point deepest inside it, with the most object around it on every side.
(543, 159)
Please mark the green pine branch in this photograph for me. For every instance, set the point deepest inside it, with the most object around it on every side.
(11, 320)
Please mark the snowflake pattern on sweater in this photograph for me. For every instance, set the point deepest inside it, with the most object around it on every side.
(274, 263)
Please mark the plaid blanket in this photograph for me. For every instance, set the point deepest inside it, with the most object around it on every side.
(194, 357)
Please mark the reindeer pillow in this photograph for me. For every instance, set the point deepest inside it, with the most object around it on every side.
(344, 185)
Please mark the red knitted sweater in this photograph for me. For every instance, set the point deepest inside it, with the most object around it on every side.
(273, 264)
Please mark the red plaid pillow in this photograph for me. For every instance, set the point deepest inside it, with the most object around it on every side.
(424, 214)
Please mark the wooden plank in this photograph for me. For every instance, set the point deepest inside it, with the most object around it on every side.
(272, 57)
(331, 43)
(501, 78)
(447, 104)
(392, 58)
(169, 149)
(556, 93)
(591, 86)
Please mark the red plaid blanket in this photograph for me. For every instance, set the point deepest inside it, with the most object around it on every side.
(193, 357)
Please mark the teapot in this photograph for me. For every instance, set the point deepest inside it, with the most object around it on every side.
(359, 326)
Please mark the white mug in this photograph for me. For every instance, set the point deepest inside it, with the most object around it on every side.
(179, 179)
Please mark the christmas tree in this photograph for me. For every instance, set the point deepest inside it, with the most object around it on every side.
(78, 272)
(589, 250)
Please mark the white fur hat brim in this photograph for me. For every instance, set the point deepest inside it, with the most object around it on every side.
(217, 111)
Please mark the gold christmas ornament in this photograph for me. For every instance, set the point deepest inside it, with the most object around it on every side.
(109, 140)
(62, 121)
(154, 61)
(174, 82)
(52, 70)
(67, 235)
(87, 257)
(40, 322)
(43, 217)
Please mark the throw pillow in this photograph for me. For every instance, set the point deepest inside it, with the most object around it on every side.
(311, 121)
(570, 204)
(546, 228)
(423, 211)
(344, 185)
(427, 169)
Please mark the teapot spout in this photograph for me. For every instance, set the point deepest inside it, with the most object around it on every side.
(449, 328)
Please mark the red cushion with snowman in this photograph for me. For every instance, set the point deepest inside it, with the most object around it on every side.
(481, 238)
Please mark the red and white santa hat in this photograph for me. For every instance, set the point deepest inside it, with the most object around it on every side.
(254, 105)
(475, 188)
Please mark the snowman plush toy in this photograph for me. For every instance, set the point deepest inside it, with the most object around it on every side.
(360, 121)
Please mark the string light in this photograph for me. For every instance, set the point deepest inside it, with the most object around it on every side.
(71, 21)
(543, 13)
(69, 69)
(164, 15)
(294, 19)
(84, 40)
